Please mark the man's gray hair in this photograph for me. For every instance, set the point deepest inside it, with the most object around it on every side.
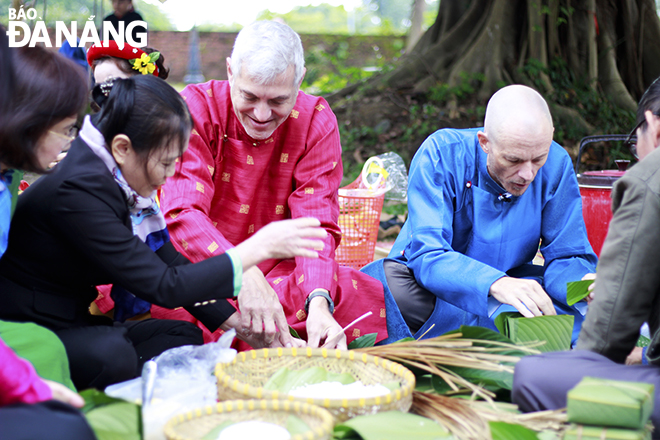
(268, 48)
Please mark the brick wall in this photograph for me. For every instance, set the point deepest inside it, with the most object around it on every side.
(215, 47)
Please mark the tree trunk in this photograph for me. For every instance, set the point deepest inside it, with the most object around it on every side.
(613, 44)
(416, 22)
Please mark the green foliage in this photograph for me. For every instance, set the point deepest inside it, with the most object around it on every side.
(321, 19)
(328, 69)
(442, 92)
(81, 10)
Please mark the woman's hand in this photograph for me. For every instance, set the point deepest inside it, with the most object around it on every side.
(301, 237)
(63, 394)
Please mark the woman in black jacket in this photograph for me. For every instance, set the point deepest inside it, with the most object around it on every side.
(95, 220)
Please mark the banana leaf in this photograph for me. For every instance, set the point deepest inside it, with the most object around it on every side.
(367, 340)
(285, 380)
(555, 330)
(510, 431)
(583, 432)
(614, 403)
(577, 291)
(491, 380)
(110, 418)
(390, 425)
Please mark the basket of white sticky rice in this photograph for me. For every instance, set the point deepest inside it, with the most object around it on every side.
(252, 419)
(346, 383)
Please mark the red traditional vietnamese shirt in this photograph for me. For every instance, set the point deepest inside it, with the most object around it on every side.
(229, 185)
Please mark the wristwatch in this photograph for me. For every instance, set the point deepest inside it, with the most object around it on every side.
(324, 294)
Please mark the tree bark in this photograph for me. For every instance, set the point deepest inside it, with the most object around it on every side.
(613, 44)
(416, 22)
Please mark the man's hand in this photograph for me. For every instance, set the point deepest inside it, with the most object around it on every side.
(261, 311)
(321, 325)
(635, 356)
(255, 340)
(527, 296)
(590, 276)
(63, 394)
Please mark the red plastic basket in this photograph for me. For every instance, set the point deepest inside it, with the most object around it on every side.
(359, 217)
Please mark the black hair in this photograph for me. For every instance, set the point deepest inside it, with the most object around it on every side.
(48, 88)
(146, 109)
(650, 100)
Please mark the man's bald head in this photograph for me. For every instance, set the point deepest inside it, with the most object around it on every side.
(517, 110)
(517, 136)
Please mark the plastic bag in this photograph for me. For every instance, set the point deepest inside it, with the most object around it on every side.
(386, 173)
(184, 381)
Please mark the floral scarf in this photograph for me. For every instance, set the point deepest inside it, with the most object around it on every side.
(147, 218)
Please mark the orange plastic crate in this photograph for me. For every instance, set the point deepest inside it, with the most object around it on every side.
(359, 218)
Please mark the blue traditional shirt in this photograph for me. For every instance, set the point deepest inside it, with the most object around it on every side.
(464, 231)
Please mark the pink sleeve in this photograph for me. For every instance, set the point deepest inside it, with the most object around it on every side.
(317, 177)
(187, 196)
(19, 382)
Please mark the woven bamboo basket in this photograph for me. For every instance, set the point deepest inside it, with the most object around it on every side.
(244, 377)
(197, 423)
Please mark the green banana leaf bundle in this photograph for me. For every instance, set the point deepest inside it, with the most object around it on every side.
(580, 432)
(554, 330)
(612, 403)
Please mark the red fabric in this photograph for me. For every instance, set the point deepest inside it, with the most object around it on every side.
(19, 383)
(229, 185)
(111, 49)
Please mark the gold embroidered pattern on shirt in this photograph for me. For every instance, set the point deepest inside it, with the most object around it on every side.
(320, 107)
(356, 332)
(284, 158)
(294, 114)
(279, 209)
(225, 177)
(209, 92)
(354, 284)
(301, 315)
(211, 169)
(184, 243)
(301, 279)
(309, 190)
(278, 280)
(250, 160)
(200, 187)
(251, 229)
(194, 132)
(383, 313)
(244, 209)
(213, 247)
